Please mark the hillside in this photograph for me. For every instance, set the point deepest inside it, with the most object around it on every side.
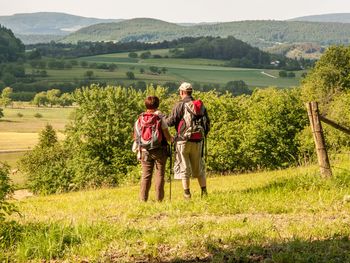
(11, 48)
(256, 33)
(48, 23)
(299, 50)
(284, 216)
(334, 18)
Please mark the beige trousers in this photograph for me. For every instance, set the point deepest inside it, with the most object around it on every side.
(189, 162)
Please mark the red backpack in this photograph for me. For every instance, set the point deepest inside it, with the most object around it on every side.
(193, 125)
(148, 131)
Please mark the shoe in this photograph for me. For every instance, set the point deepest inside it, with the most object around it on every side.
(187, 194)
(204, 192)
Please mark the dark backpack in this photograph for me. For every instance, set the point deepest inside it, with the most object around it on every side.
(148, 132)
(193, 125)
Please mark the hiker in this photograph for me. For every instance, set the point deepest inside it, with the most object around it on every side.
(151, 135)
(192, 125)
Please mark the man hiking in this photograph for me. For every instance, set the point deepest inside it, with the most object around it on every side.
(192, 124)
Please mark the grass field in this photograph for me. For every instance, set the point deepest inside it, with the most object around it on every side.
(203, 71)
(19, 131)
(283, 216)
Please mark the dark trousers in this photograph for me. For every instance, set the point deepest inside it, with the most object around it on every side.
(155, 158)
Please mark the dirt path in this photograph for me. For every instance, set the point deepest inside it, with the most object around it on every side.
(269, 75)
(22, 194)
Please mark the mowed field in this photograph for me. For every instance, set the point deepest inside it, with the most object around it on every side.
(203, 71)
(19, 130)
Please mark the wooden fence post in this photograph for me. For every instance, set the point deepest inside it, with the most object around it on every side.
(316, 127)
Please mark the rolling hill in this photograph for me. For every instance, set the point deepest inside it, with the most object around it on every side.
(46, 26)
(262, 34)
(334, 18)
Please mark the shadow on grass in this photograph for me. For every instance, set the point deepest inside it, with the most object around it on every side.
(329, 250)
(10, 121)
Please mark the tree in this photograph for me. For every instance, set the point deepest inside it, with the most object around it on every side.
(282, 74)
(66, 99)
(154, 69)
(40, 99)
(132, 55)
(164, 70)
(53, 96)
(47, 137)
(1, 113)
(145, 55)
(130, 75)
(142, 70)
(89, 74)
(291, 75)
(83, 64)
(46, 165)
(99, 136)
(8, 79)
(5, 99)
(329, 76)
(237, 87)
(112, 67)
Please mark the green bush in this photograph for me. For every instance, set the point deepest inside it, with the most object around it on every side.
(254, 132)
(6, 189)
(38, 115)
(100, 135)
(9, 230)
(20, 115)
(46, 165)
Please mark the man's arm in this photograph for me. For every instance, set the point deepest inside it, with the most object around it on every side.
(175, 115)
(208, 122)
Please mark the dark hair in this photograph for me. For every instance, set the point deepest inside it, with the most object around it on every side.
(152, 102)
(187, 92)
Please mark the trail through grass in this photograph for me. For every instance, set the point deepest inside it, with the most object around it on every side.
(290, 215)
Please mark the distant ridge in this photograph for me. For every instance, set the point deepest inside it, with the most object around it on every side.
(335, 18)
(48, 23)
(260, 33)
(48, 26)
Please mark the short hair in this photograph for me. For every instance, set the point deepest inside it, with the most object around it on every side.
(152, 102)
(187, 92)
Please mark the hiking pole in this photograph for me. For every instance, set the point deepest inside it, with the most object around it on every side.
(170, 172)
(205, 149)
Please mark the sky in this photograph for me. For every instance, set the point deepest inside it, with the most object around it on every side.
(180, 10)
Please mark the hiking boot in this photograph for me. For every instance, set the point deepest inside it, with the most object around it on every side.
(187, 194)
(204, 192)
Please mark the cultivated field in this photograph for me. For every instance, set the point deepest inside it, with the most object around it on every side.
(203, 71)
(283, 216)
(19, 130)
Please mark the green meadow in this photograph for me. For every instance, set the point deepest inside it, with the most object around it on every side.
(282, 216)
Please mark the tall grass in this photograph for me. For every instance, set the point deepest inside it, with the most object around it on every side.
(282, 216)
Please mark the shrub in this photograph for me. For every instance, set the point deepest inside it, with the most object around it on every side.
(130, 75)
(100, 135)
(9, 230)
(6, 189)
(20, 115)
(46, 165)
(38, 115)
(132, 55)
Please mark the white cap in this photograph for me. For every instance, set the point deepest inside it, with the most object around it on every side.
(185, 86)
